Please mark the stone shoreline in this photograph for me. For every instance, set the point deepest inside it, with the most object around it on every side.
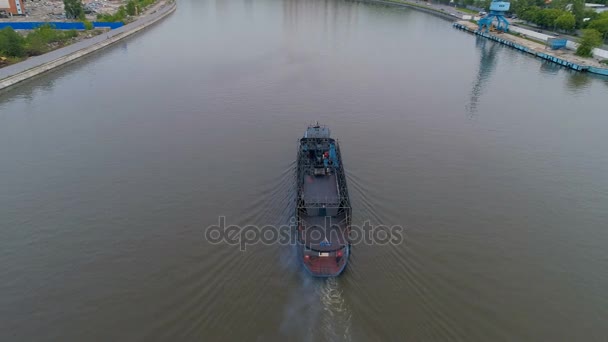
(19, 72)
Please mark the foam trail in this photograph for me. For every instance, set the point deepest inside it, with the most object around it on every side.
(317, 310)
(302, 310)
(336, 318)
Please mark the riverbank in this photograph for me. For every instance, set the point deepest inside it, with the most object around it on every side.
(35, 42)
(34, 66)
(561, 57)
(564, 57)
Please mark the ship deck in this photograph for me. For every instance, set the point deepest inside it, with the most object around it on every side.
(324, 233)
(321, 189)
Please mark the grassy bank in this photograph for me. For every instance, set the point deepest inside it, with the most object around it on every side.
(125, 14)
(15, 47)
(466, 10)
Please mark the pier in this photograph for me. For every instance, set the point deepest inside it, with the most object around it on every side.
(564, 57)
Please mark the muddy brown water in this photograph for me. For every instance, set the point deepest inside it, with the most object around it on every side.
(494, 163)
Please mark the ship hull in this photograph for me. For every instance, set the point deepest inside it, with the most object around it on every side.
(323, 209)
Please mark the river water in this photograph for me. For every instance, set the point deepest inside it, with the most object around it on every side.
(494, 163)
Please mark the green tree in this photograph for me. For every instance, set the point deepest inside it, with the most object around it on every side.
(589, 13)
(590, 40)
(36, 45)
(485, 4)
(122, 12)
(519, 7)
(131, 7)
(601, 25)
(547, 17)
(578, 9)
(531, 14)
(120, 15)
(560, 4)
(11, 43)
(565, 22)
(73, 9)
(3, 43)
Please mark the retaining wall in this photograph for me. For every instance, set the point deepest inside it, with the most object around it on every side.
(557, 60)
(16, 73)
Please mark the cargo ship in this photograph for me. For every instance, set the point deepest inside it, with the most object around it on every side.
(323, 208)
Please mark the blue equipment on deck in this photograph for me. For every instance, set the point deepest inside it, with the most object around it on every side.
(497, 10)
(333, 156)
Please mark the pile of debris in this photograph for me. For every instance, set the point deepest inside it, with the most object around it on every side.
(102, 6)
(43, 10)
(53, 10)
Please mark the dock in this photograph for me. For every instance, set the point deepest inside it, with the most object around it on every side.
(562, 57)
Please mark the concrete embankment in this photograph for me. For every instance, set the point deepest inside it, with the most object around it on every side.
(16, 73)
(561, 57)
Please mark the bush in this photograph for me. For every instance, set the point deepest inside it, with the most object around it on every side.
(37, 42)
(565, 22)
(131, 7)
(3, 42)
(11, 43)
(35, 45)
(145, 3)
(71, 34)
(87, 25)
(47, 33)
(601, 25)
(73, 9)
(50, 35)
(590, 40)
(120, 15)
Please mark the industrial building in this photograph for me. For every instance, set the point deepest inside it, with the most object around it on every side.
(13, 7)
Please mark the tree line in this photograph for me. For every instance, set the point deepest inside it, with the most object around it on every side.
(566, 15)
(563, 15)
(558, 15)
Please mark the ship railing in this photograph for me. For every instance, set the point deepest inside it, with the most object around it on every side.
(322, 204)
(341, 201)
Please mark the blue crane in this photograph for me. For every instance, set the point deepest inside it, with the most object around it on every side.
(497, 11)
